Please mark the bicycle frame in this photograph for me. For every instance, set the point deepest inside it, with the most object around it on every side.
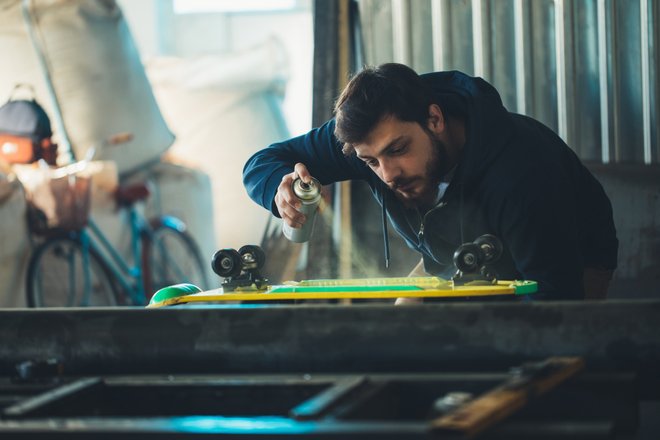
(162, 253)
(129, 277)
(147, 246)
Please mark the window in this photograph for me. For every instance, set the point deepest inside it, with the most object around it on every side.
(202, 6)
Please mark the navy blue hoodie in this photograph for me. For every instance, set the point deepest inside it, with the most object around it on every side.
(516, 179)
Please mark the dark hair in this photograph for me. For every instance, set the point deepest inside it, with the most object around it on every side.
(377, 92)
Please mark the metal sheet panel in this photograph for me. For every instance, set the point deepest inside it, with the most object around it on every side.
(585, 116)
(629, 139)
(585, 68)
(422, 43)
(501, 55)
(461, 46)
(543, 86)
(376, 18)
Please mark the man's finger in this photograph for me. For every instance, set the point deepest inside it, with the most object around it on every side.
(407, 301)
(291, 215)
(288, 204)
(295, 221)
(301, 171)
(285, 189)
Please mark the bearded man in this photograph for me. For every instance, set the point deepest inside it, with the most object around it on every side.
(448, 163)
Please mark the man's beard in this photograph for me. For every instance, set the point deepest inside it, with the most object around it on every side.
(435, 169)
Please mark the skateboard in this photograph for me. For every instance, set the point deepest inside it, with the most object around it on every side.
(365, 288)
(240, 271)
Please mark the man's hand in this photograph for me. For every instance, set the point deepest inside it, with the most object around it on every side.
(286, 201)
(418, 271)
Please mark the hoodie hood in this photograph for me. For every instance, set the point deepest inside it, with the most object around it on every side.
(488, 125)
(488, 129)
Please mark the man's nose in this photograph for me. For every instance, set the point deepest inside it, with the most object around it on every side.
(390, 171)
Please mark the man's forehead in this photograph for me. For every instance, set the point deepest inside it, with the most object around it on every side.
(382, 135)
(376, 145)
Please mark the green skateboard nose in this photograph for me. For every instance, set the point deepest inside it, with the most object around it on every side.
(174, 291)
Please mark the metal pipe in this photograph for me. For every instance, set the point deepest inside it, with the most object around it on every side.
(560, 57)
(477, 38)
(646, 81)
(602, 80)
(401, 31)
(344, 188)
(519, 37)
(437, 28)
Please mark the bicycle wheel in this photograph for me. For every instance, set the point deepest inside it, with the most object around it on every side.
(171, 256)
(56, 276)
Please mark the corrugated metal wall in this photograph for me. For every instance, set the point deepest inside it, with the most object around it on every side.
(586, 68)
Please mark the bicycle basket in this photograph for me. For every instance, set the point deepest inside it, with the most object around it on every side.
(56, 200)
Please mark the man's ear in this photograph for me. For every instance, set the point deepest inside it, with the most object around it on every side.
(436, 121)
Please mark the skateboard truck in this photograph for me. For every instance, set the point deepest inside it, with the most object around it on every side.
(240, 268)
(474, 260)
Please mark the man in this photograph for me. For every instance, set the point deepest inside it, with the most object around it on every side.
(448, 163)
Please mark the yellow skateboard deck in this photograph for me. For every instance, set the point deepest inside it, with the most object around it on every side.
(360, 288)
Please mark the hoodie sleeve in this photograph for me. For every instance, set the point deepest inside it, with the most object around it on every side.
(319, 150)
(599, 239)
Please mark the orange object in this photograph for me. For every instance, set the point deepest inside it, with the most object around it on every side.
(17, 149)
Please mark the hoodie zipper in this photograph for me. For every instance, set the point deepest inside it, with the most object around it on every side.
(420, 234)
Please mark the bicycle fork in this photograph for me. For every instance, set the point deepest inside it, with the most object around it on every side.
(137, 250)
(134, 288)
(86, 268)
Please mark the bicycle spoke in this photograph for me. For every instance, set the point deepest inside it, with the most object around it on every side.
(62, 274)
(174, 259)
(71, 260)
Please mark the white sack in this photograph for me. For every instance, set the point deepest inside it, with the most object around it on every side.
(14, 243)
(221, 121)
(96, 73)
(184, 193)
(20, 61)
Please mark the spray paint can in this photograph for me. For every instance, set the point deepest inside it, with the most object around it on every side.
(310, 197)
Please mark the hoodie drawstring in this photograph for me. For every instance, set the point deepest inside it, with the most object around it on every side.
(386, 239)
(460, 214)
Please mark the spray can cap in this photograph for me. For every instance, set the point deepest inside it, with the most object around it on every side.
(307, 191)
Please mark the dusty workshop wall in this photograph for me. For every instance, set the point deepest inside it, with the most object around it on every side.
(586, 68)
(635, 194)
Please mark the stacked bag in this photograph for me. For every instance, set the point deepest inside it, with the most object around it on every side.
(81, 56)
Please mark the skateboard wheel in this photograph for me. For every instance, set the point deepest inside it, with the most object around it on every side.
(468, 258)
(227, 263)
(491, 247)
(253, 254)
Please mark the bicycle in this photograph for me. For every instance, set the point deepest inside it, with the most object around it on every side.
(80, 267)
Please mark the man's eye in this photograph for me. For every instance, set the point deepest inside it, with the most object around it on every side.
(371, 162)
(398, 150)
